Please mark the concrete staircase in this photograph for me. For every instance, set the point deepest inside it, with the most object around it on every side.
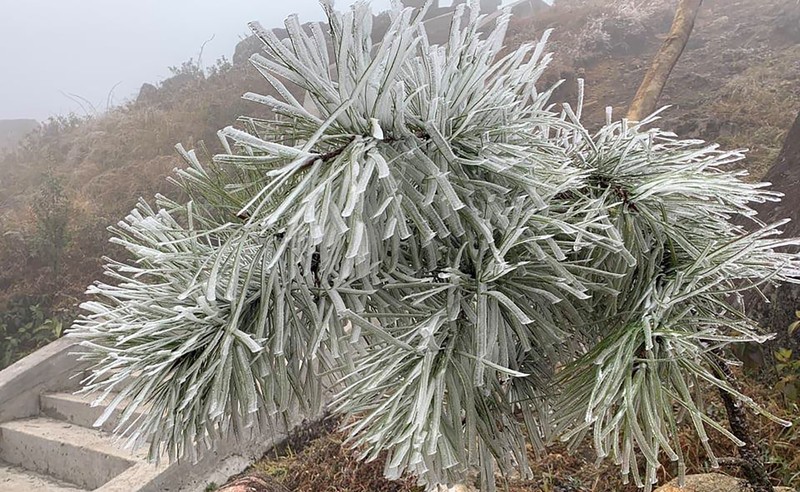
(61, 446)
(48, 442)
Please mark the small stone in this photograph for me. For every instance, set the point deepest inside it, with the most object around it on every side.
(712, 482)
(456, 488)
(147, 94)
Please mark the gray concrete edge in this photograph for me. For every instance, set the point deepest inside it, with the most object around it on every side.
(54, 367)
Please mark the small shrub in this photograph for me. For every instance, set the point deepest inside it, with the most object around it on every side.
(788, 368)
(23, 329)
(51, 210)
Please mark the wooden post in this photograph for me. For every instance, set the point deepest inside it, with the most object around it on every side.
(644, 103)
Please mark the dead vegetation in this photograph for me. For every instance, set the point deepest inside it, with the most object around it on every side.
(318, 458)
(104, 163)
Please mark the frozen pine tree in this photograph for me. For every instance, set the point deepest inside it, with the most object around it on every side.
(465, 267)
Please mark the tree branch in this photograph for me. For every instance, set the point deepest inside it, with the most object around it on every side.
(750, 462)
(644, 103)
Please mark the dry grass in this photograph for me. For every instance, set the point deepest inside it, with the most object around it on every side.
(318, 459)
(759, 105)
(105, 163)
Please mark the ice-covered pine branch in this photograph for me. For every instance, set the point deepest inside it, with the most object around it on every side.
(467, 267)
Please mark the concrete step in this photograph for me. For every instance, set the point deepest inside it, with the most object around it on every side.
(78, 409)
(15, 479)
(65, 448)
(86, 457)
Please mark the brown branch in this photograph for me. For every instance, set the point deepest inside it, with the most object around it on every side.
(333, 154)
(644, 103)
(750, 461)
(327, 156)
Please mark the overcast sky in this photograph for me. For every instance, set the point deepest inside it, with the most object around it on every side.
(49, 48)
(55, 51)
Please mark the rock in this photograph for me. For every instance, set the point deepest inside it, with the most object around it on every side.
(147, 94)
(245, 48)
(456, 488)
(712, 482)
(779, 313)
(785, 177)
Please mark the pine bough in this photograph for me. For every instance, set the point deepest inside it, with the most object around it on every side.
(467, 267)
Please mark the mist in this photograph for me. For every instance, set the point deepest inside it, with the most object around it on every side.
(84, 55)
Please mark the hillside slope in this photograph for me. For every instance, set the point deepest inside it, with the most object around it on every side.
(738, 83)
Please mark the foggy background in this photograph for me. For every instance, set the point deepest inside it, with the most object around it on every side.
(55, 50)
